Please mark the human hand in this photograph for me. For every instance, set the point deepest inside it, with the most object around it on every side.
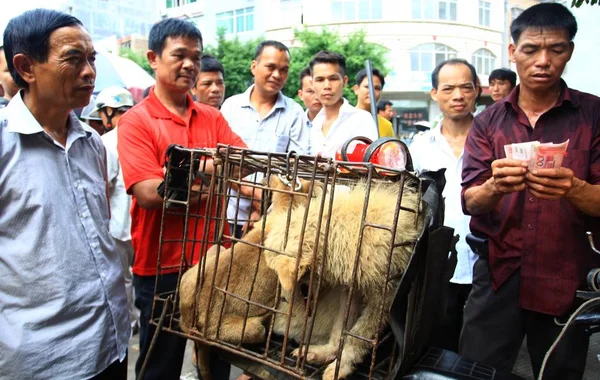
(254, 217)
(550, 183)
(508, 176)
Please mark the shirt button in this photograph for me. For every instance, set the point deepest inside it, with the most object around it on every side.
(530, 199)
(526, 253)
(529, 226)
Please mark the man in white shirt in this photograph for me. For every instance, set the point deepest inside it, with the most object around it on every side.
(338, 121)
(455, 91)
(111, 103)
(264, 118)
(307, 94)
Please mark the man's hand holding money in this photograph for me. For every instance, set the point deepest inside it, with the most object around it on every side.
(508, 176)
(550, 183)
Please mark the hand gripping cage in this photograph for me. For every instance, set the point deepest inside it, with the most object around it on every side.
(327, 284)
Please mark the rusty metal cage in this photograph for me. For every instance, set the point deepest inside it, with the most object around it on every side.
(307, 292)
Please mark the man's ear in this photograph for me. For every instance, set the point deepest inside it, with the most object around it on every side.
(253, 66)
(355, 88)
(345, 80)
(300, 94)
(24, 66)
(433, 94)
(511, 52)
(152, 57)
(571, 48)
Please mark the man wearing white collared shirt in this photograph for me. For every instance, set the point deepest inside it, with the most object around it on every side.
(455, 90)
(264, 118)
(338, 121)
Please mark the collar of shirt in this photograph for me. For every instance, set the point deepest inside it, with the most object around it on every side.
(346, 108)
(245, 101)
(566, 97)
(21, 120)
(158, 111)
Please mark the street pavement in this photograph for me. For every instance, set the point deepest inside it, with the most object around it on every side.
(522, 367)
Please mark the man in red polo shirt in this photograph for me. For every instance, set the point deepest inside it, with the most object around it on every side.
(535, 219)
(167, 116)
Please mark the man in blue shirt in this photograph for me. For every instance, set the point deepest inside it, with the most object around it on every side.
(63, 309)
(264, 118)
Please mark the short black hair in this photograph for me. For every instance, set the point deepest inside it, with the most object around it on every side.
(435, 75)
(29, 34)
(381, 106)
(504, 74)
(326, 56)
(305, 72)
(362, 74)
(276, 44)
(210, 64)
(171, 27)
(545, 16)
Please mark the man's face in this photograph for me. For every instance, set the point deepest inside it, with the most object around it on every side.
(541, 56)
(66, 79)
(362, 92)
(328, 83)
(499, 89)
(270, 70)
(177, 67)
(456, 92)
(210, 88)
(6, 81)
(388, 112)
(308, 96)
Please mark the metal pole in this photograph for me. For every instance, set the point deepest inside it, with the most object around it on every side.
(372, 94)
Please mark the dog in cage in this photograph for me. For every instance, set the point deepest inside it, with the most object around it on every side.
(230, 319)
(383, 258)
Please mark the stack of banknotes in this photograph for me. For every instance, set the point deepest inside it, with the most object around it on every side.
(539, 156)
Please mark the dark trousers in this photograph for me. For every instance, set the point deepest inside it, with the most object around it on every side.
(495, 325)
(116, 371)
(167, 356)
(446, 331)
(236, 230)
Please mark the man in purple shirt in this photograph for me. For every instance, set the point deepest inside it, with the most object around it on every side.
(535, 219)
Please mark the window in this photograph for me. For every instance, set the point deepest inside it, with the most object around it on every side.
(434, 9)
(178, 3)
(351, 10)
(484, 61)
(484, 13)
(237, 21)
(427, 56)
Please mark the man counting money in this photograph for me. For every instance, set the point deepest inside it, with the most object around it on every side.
(535, 218)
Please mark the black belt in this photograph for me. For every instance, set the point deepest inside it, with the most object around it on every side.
(479, 245)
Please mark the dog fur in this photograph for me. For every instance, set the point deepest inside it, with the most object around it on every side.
(342, 243)
(241, 260)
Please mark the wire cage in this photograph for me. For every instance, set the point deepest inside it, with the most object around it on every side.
(305, 293)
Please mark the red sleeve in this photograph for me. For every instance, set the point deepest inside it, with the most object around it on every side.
(226, 135)
(136, 147)
(478, 157)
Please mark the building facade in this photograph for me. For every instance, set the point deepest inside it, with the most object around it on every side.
(418, 34)
(119, 18)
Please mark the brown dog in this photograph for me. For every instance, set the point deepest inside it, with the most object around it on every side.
(342, 242)
(235, 270)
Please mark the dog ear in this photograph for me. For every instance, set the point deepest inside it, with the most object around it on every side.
(285, 266)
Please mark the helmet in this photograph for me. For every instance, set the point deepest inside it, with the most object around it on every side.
(113, 97)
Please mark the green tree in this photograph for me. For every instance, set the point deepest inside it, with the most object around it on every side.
(236, 56)
(354, 47)
(137, 57)
(578, 3)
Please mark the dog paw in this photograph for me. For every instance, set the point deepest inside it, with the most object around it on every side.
(317, 354)
(329, 373)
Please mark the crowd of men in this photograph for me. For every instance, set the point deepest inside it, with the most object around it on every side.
(79, 210)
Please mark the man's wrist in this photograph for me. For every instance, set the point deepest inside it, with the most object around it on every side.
(490, 185)
(578, 185)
